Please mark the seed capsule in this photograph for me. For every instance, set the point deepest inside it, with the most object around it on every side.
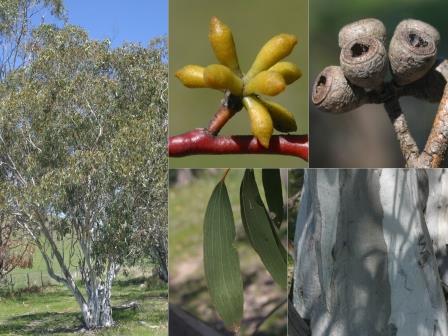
(217, 76)
(412, 50)
(334, 94)
(221, 39)
(282, 118)
(362, 28)
(288, 70)
(192, 76)
(364, 62)
(269, 83)
(273, 51)
(260, 120)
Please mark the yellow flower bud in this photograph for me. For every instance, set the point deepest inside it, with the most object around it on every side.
(192, 76)
(260, 120)
(288, 70)
(221, 39)
(282, 118)
(273, 51)
(266, 82)
(217, 76)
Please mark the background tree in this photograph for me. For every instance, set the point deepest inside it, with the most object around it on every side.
(17, 18)
(16, 249)
(365, 262)
(16, 23)
(82, 150)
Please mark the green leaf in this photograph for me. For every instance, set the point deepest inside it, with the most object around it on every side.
(261, 232)
(221, 261)
(272, 185)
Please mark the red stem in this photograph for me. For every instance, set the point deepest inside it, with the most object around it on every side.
(200, 141)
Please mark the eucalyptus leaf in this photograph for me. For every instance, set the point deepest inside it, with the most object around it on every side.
(221, 261)
(272, 185)
(260, 230)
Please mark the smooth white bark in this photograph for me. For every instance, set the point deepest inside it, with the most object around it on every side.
(436, 215)
(364, 259)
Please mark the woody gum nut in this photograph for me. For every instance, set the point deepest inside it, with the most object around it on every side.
(260, 120)
(273, 51)
(412, 50)
(288, 70)
(269, 83)
(217, 76)
(221, 39)
(362, 28)
(334, 94)
(364, 62)
(192, 76)
(282, 118)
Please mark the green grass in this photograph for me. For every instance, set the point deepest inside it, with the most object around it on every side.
(54, 311)
(39, 270)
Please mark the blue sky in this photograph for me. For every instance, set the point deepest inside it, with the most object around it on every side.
(131, 20)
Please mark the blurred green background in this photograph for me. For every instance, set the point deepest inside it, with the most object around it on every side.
(189, 193)
(364, 137)
(253, 23)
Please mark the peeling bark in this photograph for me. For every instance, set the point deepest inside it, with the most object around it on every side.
(436, 216)
(365, 264)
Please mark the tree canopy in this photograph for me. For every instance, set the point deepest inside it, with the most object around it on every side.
(82, 150)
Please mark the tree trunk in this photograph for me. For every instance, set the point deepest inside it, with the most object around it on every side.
(162, 272)
(161, 256)
(436, 215)
(364, 260)
(97, 311)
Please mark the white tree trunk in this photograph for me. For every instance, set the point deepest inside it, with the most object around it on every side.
(364, 259)
(437, 217)
(97, 311)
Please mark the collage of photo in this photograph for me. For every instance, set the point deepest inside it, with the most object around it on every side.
(224, 168)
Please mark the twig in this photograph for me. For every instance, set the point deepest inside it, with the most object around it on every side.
(207, 141)
(407, 143)
(436, 146)
(332, 93)
(260, 323)
(201, 141)
(230, 105)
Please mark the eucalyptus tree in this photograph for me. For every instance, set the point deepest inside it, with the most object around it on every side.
(82, 154)
(368, 246)
(17, 19)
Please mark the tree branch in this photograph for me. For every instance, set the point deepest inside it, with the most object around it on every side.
(207, 141)
(436, 146)
(332, 93)
(408, 145)
(201, 141)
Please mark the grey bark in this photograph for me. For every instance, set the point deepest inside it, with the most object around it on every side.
(364, 259)
(436, 215)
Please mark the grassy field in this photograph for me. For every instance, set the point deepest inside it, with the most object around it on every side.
(38, 273)
(54, 311)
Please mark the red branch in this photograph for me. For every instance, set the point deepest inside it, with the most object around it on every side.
(201, 141)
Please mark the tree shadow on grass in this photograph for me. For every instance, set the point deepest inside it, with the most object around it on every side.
(57, 323)
(139, 295)
(42, 324)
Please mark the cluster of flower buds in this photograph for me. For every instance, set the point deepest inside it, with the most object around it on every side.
(267, 76)
(364, 62)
